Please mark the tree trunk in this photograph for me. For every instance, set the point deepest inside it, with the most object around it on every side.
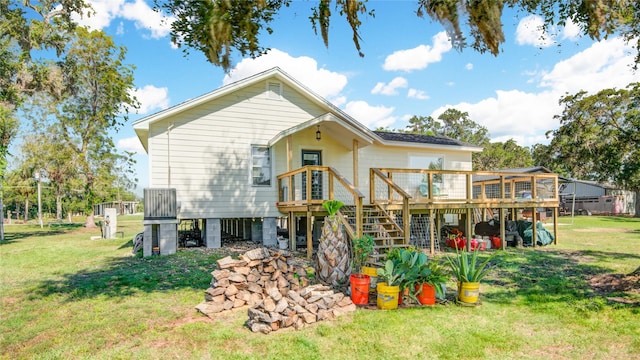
(637, 203)
(58, 207)
(90, 223)
(1, 222)
(26, 209)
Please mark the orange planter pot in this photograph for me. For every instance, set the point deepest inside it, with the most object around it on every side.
(360, 288)
(428, 294)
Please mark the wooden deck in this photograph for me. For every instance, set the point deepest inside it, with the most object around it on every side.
(418, 191)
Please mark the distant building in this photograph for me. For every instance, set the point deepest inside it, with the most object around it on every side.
(122, 207)
(596, 198)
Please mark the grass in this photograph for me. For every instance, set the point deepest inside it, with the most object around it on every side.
(64, 296)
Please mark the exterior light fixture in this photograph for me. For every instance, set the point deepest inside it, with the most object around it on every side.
(318, 134)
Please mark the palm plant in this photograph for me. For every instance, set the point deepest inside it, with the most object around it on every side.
(332, 263)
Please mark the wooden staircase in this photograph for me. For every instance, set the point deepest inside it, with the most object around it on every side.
(376, 222)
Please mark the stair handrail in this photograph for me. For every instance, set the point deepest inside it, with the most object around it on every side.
(406, 198)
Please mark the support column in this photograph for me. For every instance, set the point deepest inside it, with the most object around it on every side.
(503, 240)
(555, 226)
(168, 238)
(247, 232)
(309, 236)
(147, 240)
(269, 231)
(432, 233)
(291, 224)
(213, 233)
(256, 230)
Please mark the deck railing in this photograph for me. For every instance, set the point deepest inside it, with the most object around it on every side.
(312, 185)
(397, 186)
(160, 203)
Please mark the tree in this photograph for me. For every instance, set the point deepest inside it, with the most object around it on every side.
(93, 97)
(502, 155)
(457, 125)
(451, 123)
(599, 137)
(25, 27)
(422, 125)
(217, 28)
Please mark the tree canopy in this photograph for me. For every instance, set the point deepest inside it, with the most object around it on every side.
(218, 28)
(599, 137)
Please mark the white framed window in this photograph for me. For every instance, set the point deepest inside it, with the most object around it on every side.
(260, 165)
(274, 90)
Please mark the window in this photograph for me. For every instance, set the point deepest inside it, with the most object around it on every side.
(428, 163)
(260, 165)
(274, 90)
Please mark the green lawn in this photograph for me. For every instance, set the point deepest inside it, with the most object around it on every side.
(64, 296)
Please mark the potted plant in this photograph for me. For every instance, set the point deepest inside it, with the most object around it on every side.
(361, 247)
(468, 271)
(388, 287)
(412, 264)
(432, 285)
(395, 255)
(422, 280)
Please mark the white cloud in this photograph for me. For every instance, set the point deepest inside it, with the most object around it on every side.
(530, 32)
(101, 15)
(145, 17)
(571, 31)
(419, 57)
(526, 117)
(391, 88)
(131, 144)
(152, 98)
(138, 11)
(417, 94)
(325, 83)
(370, 116)
(469, 66)
(606, 64)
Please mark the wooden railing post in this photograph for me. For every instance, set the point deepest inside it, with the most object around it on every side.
(406, 220)
(372, 186)
(359, 213)
(331, 194)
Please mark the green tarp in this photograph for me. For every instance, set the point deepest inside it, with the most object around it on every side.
(525, 229)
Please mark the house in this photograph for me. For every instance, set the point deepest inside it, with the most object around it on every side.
(584, 196)
(264, 152)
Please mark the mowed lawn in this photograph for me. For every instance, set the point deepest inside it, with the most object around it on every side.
(65, 296)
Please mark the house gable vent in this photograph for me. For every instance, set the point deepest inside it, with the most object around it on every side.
(274, 90)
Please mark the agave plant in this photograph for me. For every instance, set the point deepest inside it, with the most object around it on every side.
(466, 267)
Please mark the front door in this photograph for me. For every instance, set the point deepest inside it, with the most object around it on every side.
(314, 158)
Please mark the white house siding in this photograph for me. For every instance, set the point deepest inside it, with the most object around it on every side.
(210, 151)
(398, 157)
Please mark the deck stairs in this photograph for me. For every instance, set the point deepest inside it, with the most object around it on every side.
(378, 223)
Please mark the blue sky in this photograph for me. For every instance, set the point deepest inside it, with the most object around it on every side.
(409, 68)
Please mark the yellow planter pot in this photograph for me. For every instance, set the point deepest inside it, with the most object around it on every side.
(373, 275)
(468, 292)
(387, 296)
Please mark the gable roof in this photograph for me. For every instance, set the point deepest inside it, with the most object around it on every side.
(362, 133)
